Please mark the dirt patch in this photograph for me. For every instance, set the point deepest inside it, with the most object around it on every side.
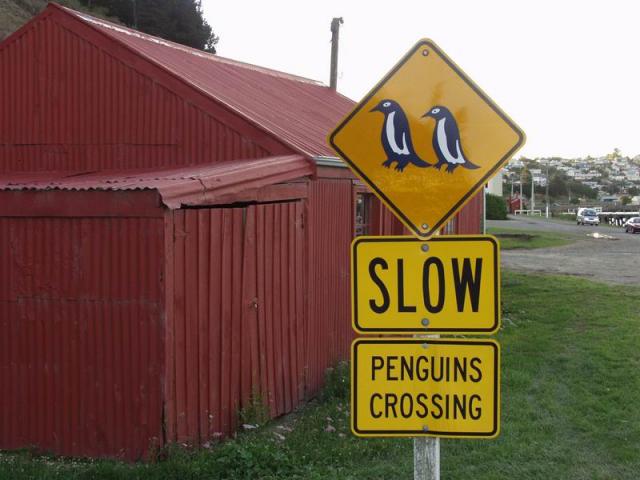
(593, 257)
(515, 236)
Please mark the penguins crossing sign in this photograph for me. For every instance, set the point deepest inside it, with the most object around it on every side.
(420, 387)
(426, 139)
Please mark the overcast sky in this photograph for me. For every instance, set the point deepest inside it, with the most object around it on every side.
(568, 72)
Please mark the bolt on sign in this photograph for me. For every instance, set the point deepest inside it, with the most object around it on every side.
(425, 387)
(449, 284)
(426, 139)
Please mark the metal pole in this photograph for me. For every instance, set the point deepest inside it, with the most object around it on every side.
(335, 39)
(426, 458)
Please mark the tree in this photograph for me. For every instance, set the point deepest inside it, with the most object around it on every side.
(496, 207)
(180, 21)
(612, 188)
(557, 186)
(625, 200)
(581, 190)
(614, 155)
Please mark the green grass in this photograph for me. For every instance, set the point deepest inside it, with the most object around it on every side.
(512, 239)
(570, 408)
(570, 385)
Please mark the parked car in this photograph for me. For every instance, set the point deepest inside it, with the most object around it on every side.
(632, 225)
(587, 216)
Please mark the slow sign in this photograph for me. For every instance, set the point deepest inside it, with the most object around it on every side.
(411, 387)
(446, 284)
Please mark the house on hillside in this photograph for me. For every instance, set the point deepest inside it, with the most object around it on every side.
(174, 239)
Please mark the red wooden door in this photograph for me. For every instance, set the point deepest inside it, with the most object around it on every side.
(237, 330)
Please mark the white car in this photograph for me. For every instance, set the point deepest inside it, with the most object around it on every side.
(587, 216)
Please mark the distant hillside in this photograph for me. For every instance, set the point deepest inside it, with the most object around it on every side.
(14, 13)
(180, 21)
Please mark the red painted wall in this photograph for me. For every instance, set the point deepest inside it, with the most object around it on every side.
(68, 104)
(80, 334)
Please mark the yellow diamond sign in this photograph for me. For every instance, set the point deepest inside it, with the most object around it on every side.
(426, 139)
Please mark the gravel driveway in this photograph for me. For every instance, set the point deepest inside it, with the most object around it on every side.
(613, 261)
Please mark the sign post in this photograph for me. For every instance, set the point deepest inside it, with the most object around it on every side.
(426, 453)
(426, 458)
(425, 140)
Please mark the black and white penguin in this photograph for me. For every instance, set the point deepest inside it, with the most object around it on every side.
(446, 140)
(396, 137)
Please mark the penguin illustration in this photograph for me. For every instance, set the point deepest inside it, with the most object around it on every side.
(396, 137)
(446, 140)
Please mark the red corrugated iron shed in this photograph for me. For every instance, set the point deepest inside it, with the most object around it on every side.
(174, 239)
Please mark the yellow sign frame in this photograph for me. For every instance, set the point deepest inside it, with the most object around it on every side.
(412, 197)
(450, 402)
(449, 319)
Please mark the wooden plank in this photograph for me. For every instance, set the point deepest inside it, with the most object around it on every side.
(180, 327)
(236, 317)
(226, 319)
(262, 303)
(215, 319)
(169, 329)
(293, 295)
(302, 298)
(285, 294)
(191, 323)
(249, 368)
(276, 320)
(269, 308)
(203, 323)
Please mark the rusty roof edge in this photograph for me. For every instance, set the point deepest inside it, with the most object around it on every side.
(204, 189)
(324, 161)
(195, 186)
(82, 18)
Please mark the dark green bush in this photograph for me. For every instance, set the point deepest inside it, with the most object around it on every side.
(336, 383)
(496, 207)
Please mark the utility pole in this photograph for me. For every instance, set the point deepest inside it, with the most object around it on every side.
(547, 191)
(135, 14)
(335, 39)
(533, 196)
(521, 180)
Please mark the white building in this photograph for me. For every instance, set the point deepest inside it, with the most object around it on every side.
(495, 184)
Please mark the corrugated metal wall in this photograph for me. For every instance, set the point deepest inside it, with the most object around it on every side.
(68, 105)
(467, 221)
(237, 328)
(330, 232)
(81, 334)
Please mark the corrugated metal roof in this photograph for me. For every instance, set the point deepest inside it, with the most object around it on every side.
(195, 185)
(299, 111)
